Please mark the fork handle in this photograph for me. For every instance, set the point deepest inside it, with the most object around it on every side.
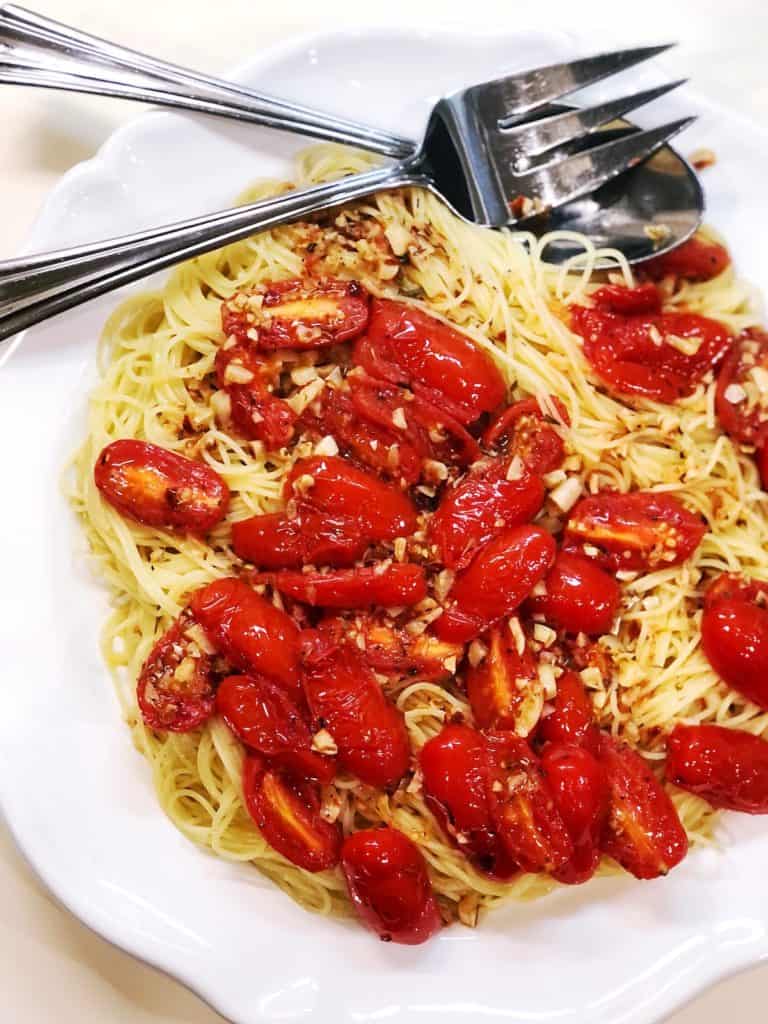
(37, 287)
(66, 58)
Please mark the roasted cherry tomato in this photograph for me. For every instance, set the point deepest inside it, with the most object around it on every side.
(571, 720)
(160, 488)
(336, 487)
(297, 313)
(256, 412)
(175, 686)
(762, 464)
(249, 631)
(734, 635)
(275, 541)
(386, 585)
(577, 782)
(287, 814)
(524, 430)
(648, 354)
(389, 886)
(694, 260)
(487, 501)
(263, 717)
(346, 699)
(740, 398)
(643, 832)
(640, 531)
(579, 598)
(405, 345)
(499, 579)
(727, 767)
(503, 689)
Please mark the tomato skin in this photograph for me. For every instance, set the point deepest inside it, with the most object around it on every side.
(479, 507)
(694, 260)
(288, 817)
(405, 345)
(264, 718)
(499, 579)
(613, 298)
(249, 631)
(166, 702)
(734, 635)
(523, 429)
(274, 541)
(160, 488)
(580, 597)
(344, 695)
(762, 465)
(745, 425)
(727, 767)
(639, 531)
(296, 313)
(643, 831)
(578, 785)
(571, 721)
(389, 886)
(497, 687)
(256, 412)
(387, 586)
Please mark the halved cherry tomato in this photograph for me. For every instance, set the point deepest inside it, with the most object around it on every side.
(577, 782)
(346, 699)
(499, 579)
(175, 687)
(727, 767)
(615, 298)
(503, 689)
(337, 487)
(572, 719)
(742, 406)
(479, 507)
(643, 832)
(694, 260)
(160, 488)
(734, 635)
(579, 598)
(405, 345)
(524, 430)
(275, 541)
(648, 354)
(640, 531)
(300, 313)
(762, 465)
(256, 412)
(263, 717)
(389, 886)
(384, 585)
(288, 816)
(249, 631)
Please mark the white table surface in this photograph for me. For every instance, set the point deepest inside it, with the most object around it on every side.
(51, 967)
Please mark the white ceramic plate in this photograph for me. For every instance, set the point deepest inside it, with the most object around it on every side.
(79, 799)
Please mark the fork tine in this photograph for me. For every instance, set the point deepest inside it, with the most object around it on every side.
(519, 94)
(559, 181)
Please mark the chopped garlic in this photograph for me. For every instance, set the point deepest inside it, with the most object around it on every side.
(517, 632)
(734, 394)
(400, 548)
(324, 743)
(301, 375)
(398, 418)
(548, 679)
(327, 446)
(221, 404)
(555, 477)
(760, 376)
(543, 634)
(566, 494)
(306, 396)
(476, 653)
(515, 469)
(236, 373)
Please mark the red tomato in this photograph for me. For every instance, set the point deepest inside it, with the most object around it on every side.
(615, 298)
(381, 585)
(256, 412)
(297, 313)
(499, 579)
(345, 697)
(263, 717)
(311, 538)
(175, 686)
(249, 631)
(762, 464)
(643, 832)
(498, 686)
(288, 816)
(743, 415)
(694, 260)
(524, 430)
(389, 886)
(479, 507)
(727, 767)
(580, 597)
(160, 488)
(405, 345)
(734, 635)
(577, 782)
(339, 488)
(640, 531)
(572, 719)
(632, 352)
